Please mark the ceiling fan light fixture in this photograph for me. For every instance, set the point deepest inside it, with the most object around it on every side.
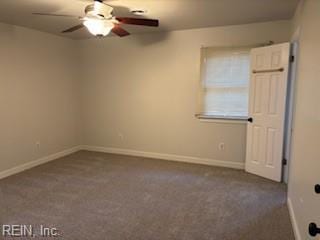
(98, 27)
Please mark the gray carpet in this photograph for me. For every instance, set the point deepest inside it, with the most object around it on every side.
(97, 196)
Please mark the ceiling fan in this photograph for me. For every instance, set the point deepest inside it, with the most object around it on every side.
(100, 21)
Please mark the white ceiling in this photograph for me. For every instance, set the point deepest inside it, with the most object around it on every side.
(173, 14)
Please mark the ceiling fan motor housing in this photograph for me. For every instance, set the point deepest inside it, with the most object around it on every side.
(99, 9)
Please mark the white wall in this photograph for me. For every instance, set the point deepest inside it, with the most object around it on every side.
(144, 88)
(39, 93)
(305, 162)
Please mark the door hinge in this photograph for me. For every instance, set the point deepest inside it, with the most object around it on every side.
(291, 58)
(284, 161)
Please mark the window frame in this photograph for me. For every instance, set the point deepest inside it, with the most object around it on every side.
(218, 118)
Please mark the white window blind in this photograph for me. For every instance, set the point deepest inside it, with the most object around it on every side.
(225, 81)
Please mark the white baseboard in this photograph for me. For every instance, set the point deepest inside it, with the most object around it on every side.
(293, 220)
(23, 167)
(161, 156)
(164, 156)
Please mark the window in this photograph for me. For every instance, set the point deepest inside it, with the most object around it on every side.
(225, 82)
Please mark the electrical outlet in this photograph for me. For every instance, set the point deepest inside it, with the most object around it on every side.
(38, 143)
(221, 146)
(121, 137)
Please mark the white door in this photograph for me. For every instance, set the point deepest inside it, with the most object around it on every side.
(267, 101)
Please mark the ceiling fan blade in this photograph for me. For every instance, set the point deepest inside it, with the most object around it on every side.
(139, 21)
(72, 29)
(119, 31)
(54, 15)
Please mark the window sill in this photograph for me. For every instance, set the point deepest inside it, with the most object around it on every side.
(222, 119)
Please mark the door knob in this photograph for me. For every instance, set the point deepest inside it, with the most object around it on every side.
(250, 119)
(313, 229)
(317, 188)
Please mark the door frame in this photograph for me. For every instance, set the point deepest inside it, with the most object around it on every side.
(290, 105)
